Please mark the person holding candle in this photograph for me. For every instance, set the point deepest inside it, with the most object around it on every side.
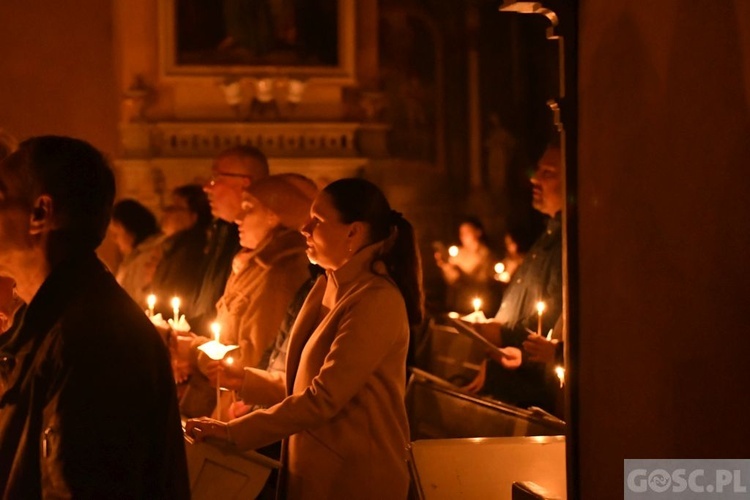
(516, 379)
(266, 273)
(185, 226)
(469, 272)
(87, 406)
(343, 418)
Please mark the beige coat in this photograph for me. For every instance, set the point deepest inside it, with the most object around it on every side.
(344, 415)
(258, 292)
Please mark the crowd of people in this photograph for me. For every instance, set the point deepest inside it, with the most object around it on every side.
(319, 289)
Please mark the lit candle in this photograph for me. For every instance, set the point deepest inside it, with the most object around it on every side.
(453, 251)
(560, 371)
(151, 302)
(540, 306)
(176, 308)
(216, 330)
(499, 268)
(477, 303)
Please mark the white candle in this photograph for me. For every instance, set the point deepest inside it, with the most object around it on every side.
(176, 308)
(540, 306)
(151, 302)
(216, 329)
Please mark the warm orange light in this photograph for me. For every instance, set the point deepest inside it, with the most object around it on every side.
(151, 302)
(477, 303)
(216, 330)
(540, 307)
(176, 308)
(560, 371)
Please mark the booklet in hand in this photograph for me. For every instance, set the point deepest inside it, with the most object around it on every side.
(467, 329)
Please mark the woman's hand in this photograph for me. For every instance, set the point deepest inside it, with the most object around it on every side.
(230, 375)
(204, 428)
(540, 349)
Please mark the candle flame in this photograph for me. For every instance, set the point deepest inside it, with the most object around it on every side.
(499, 268)
(151, 301)
(477, 303)
(216, 329)
(175, 302)
(560, 371)
(453, 250)
(229, 360)
(540, 307)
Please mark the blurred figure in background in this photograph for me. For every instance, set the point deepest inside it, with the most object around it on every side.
(137, 237)
(185, 226)
(469, 268)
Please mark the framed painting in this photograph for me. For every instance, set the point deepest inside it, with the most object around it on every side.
(304, 38)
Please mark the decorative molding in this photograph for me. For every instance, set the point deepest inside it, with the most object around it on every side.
(276, 139)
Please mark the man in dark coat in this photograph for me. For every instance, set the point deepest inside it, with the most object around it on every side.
(87, 400)
(516, 379)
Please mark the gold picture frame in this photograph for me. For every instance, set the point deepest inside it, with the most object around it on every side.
(189, 49)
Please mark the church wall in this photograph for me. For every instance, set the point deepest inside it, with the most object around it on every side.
(58, 74)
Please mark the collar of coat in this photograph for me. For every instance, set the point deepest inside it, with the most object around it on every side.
(278, 244)
(365, 261)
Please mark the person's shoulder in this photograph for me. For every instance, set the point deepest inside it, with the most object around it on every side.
(105, 311)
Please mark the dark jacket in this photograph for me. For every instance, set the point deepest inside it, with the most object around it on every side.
(179, 272)
(538, 278)
(223, 245)
(88, 405)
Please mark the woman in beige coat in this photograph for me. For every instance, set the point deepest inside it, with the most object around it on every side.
(266, 273)
(343, 418)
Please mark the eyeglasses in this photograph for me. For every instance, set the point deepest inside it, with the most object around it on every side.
(216, 175)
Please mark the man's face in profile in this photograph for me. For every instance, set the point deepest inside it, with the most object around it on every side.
(547, 195)
(229, 177)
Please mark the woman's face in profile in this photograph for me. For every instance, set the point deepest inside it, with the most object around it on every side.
(327, 237)
(255, 222)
